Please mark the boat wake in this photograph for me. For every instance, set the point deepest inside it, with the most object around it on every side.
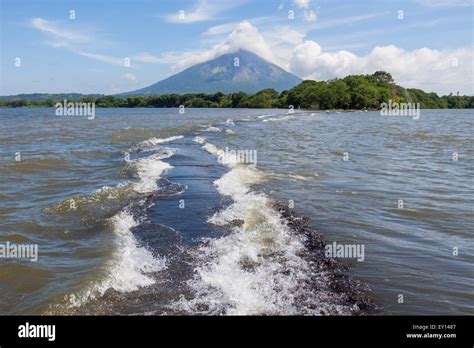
(268, 263)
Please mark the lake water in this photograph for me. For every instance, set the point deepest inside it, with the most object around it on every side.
(138, 212)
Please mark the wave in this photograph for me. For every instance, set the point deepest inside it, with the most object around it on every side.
(101, 203)
(247, 271)
(150, 168)
(236, 184)
(298, 177)
(199, 140)
(212, 129)
(36, 164)
(285, 116)
(109, 200)
(230, 132)
(266, 115)
(133, 262)
(130, 267)
(183, 129)
(259, 267)
(275, 119)
(303, 177)
(150, 144)
(212, 149)
(131, 134)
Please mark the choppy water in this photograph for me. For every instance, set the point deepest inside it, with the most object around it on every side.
(133, 213)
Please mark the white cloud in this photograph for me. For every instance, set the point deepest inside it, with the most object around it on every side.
(102, 58)
(308, 14)
(284, 35)
(424, 68)
(147, 58)
(337, 22)
(274, 45)
(302, 3)
(446, 3)
(308, 61)
(129, 77)
(182, 60)
(244, 36)
(74, 41)
(204, 10)
(221, 29)
(247, 36)
(61, 36)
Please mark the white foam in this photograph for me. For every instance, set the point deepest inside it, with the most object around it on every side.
(212, 129)
(263, 116)
(256, 269)
(150, 144)
(199, 140)
(276, 119)
(230, 132)
(149, 170)
(303, 177)
(211, 148)
(130, 266)
(156, 141)
(241, 273)
(133, 262)
(230, 122)
(236, 184)
(300, 177)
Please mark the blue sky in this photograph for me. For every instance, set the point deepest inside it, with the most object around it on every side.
(428, 45)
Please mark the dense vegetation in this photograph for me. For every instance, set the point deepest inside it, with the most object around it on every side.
(351, 92)
(47, 96)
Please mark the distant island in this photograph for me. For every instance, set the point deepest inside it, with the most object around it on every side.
(229, 73)
(356, 92)
(243, 79)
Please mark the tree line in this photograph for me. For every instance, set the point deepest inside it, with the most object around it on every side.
(352, 92)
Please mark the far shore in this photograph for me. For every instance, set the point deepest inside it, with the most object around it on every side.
(352, 93)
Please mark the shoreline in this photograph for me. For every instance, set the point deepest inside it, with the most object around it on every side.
(230, 108)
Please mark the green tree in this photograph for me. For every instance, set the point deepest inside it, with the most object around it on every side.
(384, 77)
